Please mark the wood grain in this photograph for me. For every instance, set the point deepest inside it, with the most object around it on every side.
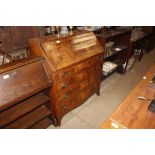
(23, 80)
(133, 113)
(29, 120)
(43, 124)
(22, 108)
(74, 65)
(24, 93)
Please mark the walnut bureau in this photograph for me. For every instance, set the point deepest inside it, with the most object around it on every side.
(74, 64)
(24, 99)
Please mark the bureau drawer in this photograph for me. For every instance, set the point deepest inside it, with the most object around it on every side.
(90, 62)
(67, 84)
(85, 64)
(82, 76)
(68, 106)
(68, 95)
(84, 94)
(65, 73)
(83, 85)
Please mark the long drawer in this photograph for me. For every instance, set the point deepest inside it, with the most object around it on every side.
(65, 73)
(68, 105)
(67, 84)
(69, 95)
(90, 62)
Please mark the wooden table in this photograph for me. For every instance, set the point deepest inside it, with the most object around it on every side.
(133, 113)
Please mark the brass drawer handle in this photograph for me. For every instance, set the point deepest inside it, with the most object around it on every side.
(66, 95)
(65, 74)
(65, 107)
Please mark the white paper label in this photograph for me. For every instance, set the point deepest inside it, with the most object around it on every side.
(5, 76)
(144, 77)
(114, 125)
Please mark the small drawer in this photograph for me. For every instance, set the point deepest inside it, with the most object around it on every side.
(67, 84)
(81, 66)
(82, 76)
(85, 64)
(68, 106)
(83, 95)
(83, 85)
(65, 73)
(68, 95)
(65, 108)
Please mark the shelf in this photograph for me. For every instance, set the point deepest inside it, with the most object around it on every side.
(140, 38)
(109, 73)
(30, 119)
(121, 47)
(113, 33)
(43, 124)
(118, 62)
(119, 68)
(22, 108)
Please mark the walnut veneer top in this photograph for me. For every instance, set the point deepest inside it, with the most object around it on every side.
(68, 50)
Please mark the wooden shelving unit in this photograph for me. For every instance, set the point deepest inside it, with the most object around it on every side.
(121, 47)
(120, 50)
(109, 73)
